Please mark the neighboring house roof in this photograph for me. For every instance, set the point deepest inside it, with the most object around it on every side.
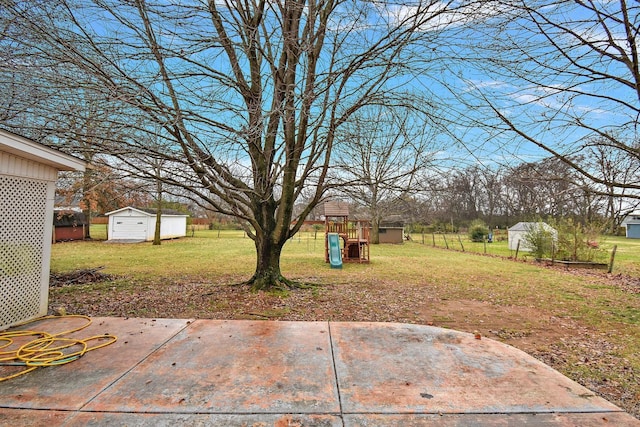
(62, 203)
(147, 211)
(632, 218)
(23, 147)
(527, 226)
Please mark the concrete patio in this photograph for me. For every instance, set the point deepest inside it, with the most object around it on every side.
(167, 372)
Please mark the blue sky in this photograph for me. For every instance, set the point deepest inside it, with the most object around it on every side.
(454, 74)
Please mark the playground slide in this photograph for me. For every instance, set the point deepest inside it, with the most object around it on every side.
(335, 254)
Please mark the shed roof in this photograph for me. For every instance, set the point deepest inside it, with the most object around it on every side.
(24, 147)
(336, 209)
(527, 226)
(147, 211)
(63, 218)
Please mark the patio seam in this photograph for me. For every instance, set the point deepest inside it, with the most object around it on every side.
(335, 373)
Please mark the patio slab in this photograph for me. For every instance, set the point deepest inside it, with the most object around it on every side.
(227, 366)
(260, 373)
(403, 368)
(72, 386)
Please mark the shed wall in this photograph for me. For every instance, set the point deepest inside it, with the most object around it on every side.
(514, 237)
(66, 233)
(171, 227)
(391, 235)
(27, 191)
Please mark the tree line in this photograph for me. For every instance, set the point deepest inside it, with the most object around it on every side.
(503, 196)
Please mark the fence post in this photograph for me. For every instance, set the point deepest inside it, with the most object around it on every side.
(461, 245)
(613, 255)
(445, 240)
(517, 249)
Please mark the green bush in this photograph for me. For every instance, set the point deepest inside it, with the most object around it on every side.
(578, 242)
(478, 230)
(541, 240)
(571, 241)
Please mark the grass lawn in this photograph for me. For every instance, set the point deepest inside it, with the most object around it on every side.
(584, 323)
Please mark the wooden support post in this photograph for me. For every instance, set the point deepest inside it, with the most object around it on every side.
(461, 245)
(517, 249)
(445, 240)
(613, 255)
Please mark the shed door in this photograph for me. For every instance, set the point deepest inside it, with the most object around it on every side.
(129, 227)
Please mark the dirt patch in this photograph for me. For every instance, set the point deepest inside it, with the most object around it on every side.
(524, 327)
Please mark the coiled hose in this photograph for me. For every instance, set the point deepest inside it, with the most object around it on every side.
(46, 349)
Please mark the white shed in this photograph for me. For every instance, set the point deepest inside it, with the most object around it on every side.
(518, 232)
(28, 173)
(137, 224)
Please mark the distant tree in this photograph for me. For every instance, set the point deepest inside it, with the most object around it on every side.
(550, 188)
(615, 166)
(560, 77)
(104, 190)
(379, 153)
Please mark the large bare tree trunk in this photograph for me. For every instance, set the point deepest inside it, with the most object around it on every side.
(268, 274)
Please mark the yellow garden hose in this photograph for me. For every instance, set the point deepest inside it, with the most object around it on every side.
(47, 349)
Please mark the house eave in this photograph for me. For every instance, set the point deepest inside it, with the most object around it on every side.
(23, 147)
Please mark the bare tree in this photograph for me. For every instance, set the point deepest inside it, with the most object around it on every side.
(250, 95)
(379, 154)
(614, 166)
(557, 76)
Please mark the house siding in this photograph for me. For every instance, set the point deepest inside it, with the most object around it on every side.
(28, 172)
(633, 231)
(20, 167)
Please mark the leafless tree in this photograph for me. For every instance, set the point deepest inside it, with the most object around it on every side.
(250, 94)
(614, 166)
(556, 76)
(380, 153)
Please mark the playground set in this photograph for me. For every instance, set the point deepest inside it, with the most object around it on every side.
(345, 240)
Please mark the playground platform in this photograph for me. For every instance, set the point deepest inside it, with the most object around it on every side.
(166, 372)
